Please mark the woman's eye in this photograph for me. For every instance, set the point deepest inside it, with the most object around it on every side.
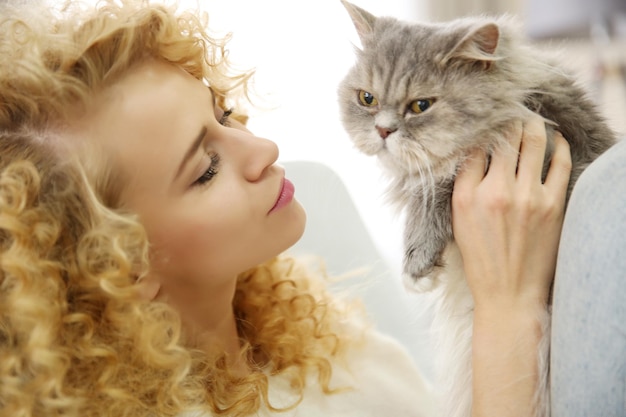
(224, 119)
(421, 105)
(367, 99)
(210, 172)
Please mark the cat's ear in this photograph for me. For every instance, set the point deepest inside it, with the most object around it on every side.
(363, 20)
(476, 45)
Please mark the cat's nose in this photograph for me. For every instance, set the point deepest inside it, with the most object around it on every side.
(384, 131)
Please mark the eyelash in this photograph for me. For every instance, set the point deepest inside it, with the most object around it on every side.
(215, 158)
(224, 119)
(210, 172)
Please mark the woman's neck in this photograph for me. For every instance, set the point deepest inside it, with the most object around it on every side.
(209, 320)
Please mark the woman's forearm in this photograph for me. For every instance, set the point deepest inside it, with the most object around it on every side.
(505, 354)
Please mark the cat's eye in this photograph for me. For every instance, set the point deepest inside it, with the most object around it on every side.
(367, 99)
(421, 105)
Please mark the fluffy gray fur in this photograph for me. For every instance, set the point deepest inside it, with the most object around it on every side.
(474, 76)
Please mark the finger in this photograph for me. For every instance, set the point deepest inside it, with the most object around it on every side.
(560, 166)
(505, 156)
(533, 149)
(472, 170)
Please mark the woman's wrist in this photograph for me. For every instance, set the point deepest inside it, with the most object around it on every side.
(508, 324)
(505, 349)
(514, 327)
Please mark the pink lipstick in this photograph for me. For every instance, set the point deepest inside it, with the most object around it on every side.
(285, 196)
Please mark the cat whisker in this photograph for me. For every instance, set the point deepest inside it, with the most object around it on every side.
(420, 163)
(431, 183)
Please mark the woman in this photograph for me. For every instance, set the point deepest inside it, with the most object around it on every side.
(172, 296)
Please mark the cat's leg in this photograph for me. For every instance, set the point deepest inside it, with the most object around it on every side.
(428, 229)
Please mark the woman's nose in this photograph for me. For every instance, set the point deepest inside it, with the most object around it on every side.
(257, 155)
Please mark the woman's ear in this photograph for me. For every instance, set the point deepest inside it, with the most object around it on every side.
(148, 287)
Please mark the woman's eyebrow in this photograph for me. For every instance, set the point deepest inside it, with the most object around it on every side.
(195, 145)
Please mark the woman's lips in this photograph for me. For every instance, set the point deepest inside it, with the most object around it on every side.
(285, 196)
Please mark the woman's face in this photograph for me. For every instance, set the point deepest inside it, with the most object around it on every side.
(208, 192)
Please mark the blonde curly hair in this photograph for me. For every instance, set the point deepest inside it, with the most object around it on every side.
(75, 338)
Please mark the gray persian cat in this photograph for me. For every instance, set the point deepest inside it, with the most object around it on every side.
(419, 97)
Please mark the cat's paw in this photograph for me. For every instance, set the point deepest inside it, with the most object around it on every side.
(448, 265)
(419, 284)
(421, 270)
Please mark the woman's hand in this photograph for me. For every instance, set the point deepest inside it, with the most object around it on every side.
(507, 224)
